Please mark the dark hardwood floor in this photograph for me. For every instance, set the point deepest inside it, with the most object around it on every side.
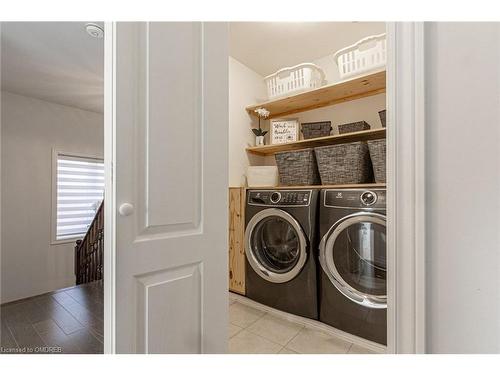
(65, 321)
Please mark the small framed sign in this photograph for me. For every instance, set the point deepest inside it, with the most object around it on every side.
(284, 130)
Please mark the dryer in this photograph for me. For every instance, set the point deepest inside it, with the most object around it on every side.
(281, 249)
(352, 253)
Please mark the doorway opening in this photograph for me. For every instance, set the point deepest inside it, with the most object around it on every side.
(307, 192)
(53, 180)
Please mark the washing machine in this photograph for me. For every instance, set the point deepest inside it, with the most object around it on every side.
(281, 249)
(352, 254)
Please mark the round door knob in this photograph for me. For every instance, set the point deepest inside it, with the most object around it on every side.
(126, 209)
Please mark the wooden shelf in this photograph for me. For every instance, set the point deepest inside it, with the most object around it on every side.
(349, 186)
(364, 135)
(341, 92)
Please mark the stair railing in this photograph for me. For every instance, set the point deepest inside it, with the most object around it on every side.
(89, 251)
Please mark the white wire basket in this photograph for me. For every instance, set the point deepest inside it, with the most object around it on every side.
(295, 79)
(368, 54)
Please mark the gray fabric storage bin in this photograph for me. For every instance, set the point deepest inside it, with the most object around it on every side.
(377, 154)
(354, 127)
(381, 114)
(297, 167)
(316, 129)
(347, 163)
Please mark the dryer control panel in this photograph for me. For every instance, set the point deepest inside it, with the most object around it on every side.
(279, 197)
(355, 198)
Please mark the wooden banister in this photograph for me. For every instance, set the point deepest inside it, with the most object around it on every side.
(89, 251)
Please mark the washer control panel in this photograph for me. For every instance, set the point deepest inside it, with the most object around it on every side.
(279, 197)
(355, 198)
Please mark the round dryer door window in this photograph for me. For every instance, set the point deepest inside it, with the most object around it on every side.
(275, 245)
(353, 255)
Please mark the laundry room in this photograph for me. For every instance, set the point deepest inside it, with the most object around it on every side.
(307, 188)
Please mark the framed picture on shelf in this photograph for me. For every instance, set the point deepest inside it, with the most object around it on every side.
(284, 131)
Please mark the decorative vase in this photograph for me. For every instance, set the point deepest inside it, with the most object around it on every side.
(259, 140)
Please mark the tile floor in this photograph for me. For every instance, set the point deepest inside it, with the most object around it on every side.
(254, 331)
(64, 321)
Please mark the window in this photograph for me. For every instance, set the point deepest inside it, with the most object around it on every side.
(79, 190)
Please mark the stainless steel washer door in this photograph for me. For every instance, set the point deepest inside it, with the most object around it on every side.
(353, 255)
(275, 245)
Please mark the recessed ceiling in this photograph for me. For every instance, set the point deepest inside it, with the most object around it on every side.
(54, 61)
(266, 47)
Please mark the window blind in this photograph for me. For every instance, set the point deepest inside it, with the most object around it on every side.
(80, 191)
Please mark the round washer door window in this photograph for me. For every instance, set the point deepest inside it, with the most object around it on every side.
(275, 245)
(353, 255)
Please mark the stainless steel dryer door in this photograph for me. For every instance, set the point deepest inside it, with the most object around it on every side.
(353, 255)
(275, 245)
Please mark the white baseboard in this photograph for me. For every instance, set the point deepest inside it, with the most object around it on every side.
(50, 286)
(376, 347)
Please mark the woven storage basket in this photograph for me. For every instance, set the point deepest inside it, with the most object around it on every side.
(347, 163)
(316, 129)
(297, 167)
(353, 127)
(381, 114)
(377, 154)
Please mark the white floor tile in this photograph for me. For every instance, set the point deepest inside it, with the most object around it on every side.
(233, 330)
(311, 341)
(275, 329)
(356, 349)
(296, 336)
(248, 343)
(287, 351)
(242, 315)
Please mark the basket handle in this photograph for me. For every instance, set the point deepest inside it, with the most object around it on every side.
(367, 45)
(289, 68)
(358, 44)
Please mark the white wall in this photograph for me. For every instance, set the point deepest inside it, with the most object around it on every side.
(463, 187)
(245, 87)
(31, 128)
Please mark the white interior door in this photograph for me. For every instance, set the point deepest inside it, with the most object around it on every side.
(171, 124)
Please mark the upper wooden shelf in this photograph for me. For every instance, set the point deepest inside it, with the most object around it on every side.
(341, 92)
(365, 135)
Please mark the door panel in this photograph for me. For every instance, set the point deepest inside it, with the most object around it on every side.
(171, 165)
(174, 121)
(156, 292)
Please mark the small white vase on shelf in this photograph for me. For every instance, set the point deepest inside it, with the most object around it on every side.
(259, 140)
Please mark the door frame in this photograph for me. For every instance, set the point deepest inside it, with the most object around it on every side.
(405, 187)
(109, 188)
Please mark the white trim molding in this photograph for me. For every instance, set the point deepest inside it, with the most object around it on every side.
(110, 188)
(406, 187)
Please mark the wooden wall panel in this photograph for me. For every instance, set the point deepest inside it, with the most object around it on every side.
(236, 240)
